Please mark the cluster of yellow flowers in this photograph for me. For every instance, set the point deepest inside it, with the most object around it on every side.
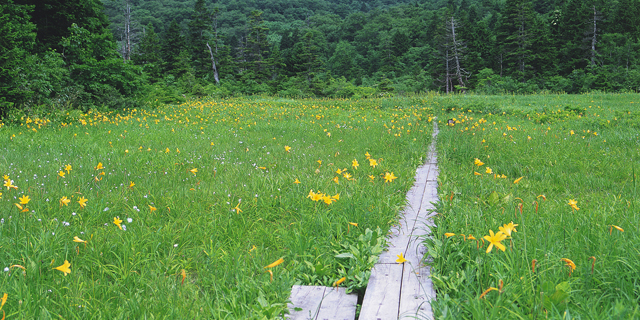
(8, 183)
(488, 170)
(319, 196)
(494, 239)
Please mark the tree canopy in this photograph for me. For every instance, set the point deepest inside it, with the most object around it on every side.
(117, 53)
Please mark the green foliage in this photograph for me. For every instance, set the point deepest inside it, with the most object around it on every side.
(194, 244)
(566, 148)
(296, 49)
(147, 54)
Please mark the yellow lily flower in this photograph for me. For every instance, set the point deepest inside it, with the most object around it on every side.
(573, 204)
(82, 201)
(64, 268)
(117, 221)
(389, 177)
(494, 239)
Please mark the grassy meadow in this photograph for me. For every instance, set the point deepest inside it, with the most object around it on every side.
(215, 208)
(177, 212)
(553, 181)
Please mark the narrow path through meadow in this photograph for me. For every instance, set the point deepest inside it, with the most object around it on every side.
(397, 289)
(399, 286)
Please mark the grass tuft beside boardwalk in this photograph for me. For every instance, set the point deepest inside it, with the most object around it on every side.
(209, 209)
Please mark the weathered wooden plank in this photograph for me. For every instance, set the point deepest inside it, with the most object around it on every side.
(433, 173)
(305, 302)
(382, 298)
(396, 246)
(415, 250)
(430, 197)
(422, 173)
(416, 294)
(338, 305)
(406, 290)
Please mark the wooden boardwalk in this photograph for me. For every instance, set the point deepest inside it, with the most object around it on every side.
(404, 291)
(395, 291)
(321, 303)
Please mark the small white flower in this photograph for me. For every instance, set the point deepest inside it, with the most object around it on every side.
(124, 227)
(53, 233)
(6, 269)
(106, 209)
(129, 220)
(175, 245)
(64, 223)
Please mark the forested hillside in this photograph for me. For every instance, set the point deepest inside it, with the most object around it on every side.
(117, 52)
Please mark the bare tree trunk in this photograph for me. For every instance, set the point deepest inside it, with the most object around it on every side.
(127, 32)
(213, 64)
(456, 53)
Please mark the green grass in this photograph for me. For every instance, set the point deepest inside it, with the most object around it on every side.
(238, 149)
(531, 137)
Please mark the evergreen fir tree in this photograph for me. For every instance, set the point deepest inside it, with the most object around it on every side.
(147, 53)
(173, 44)
(514, 37)
(199, 36)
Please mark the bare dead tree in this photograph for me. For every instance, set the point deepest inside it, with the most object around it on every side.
(457, 48)
(129, 32)
(216, 40)
(213, 64)
(453, 53)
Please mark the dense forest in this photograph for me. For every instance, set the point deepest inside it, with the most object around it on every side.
(62, 54)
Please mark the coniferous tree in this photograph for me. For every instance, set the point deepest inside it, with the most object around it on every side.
(199, 36)
(478, 39)
(173, 50)
(257, 47)
(514, 37)
(626, 18)
(311, 54)
(147, 53)
(53, 18)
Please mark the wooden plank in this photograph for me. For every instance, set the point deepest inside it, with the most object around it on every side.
(422, 173)
(396, 246)
(416, 250)
(430, 197)
(433, 173)
(338, 305)
(417, 293)
(382, 298)
(414, 198)
(306, 300)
